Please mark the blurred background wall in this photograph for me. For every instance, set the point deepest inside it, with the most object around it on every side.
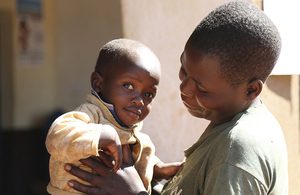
(72, 32)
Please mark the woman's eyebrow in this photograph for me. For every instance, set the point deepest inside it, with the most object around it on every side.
(197, 82)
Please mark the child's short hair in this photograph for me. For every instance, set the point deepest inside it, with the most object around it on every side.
(116, 50)
(242, 38)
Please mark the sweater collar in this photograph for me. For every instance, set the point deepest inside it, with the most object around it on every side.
(110, 107)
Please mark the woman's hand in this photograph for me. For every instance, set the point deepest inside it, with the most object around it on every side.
(125, 181)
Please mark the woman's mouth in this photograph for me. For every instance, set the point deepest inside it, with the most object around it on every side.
(188, 106)
(200, 109)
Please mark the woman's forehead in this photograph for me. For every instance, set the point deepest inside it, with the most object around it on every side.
(203, 69)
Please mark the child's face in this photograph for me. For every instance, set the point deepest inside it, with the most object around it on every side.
(205, 93)
(131, 89)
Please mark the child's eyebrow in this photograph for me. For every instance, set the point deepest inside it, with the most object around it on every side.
(155, 87)
(135, 77)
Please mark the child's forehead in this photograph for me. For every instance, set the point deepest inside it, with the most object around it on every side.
(126, 60)
(135, 69)
(147, 61)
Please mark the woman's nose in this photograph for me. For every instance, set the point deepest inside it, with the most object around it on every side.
(186, 87)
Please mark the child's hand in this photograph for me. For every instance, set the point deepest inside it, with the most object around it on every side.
(166, 171)
(110, 142)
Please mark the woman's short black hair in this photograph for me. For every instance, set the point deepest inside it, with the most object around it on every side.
(242, 38)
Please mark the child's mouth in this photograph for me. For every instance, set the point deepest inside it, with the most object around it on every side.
(134, 113)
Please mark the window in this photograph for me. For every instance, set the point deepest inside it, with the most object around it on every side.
(286, 15)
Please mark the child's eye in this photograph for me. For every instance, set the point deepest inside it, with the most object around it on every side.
(149, 95)
(128, 86)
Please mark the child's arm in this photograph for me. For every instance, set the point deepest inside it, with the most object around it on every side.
(74, 136)
(110, 142)
(166, 170)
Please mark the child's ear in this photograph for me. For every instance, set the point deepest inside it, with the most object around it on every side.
(96, 81)
(254, 89)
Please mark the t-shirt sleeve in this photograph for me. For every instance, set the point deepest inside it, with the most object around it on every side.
(228, 179)
(73, 136)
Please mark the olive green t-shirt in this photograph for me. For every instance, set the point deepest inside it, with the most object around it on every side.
(244, 156)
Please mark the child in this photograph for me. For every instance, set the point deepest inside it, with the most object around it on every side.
(124, 84)
(225, 62)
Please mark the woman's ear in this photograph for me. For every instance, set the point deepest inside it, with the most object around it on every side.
(254, 88)
(96, 81)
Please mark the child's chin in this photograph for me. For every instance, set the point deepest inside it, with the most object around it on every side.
(128, 124)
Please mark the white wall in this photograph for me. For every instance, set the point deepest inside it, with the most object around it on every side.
(83, 27)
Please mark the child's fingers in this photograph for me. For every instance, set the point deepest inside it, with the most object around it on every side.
(118, 161)
(116, 151)
(106, 158)
(108, 152)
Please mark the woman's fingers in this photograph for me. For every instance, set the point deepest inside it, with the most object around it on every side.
(93, 190)
(96, 165)
(125, 181)
(86, 176)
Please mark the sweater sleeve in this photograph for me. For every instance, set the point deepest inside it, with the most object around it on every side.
(72, 137)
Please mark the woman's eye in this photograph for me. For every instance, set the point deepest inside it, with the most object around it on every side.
(128, 86)
(200, 90)
(182, 73)
(149, 95)
(183, 70)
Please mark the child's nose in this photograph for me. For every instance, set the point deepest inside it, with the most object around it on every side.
(138, 100)
(185, 87)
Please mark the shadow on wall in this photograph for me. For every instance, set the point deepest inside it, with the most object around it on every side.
(278, 84)
(281, 86)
